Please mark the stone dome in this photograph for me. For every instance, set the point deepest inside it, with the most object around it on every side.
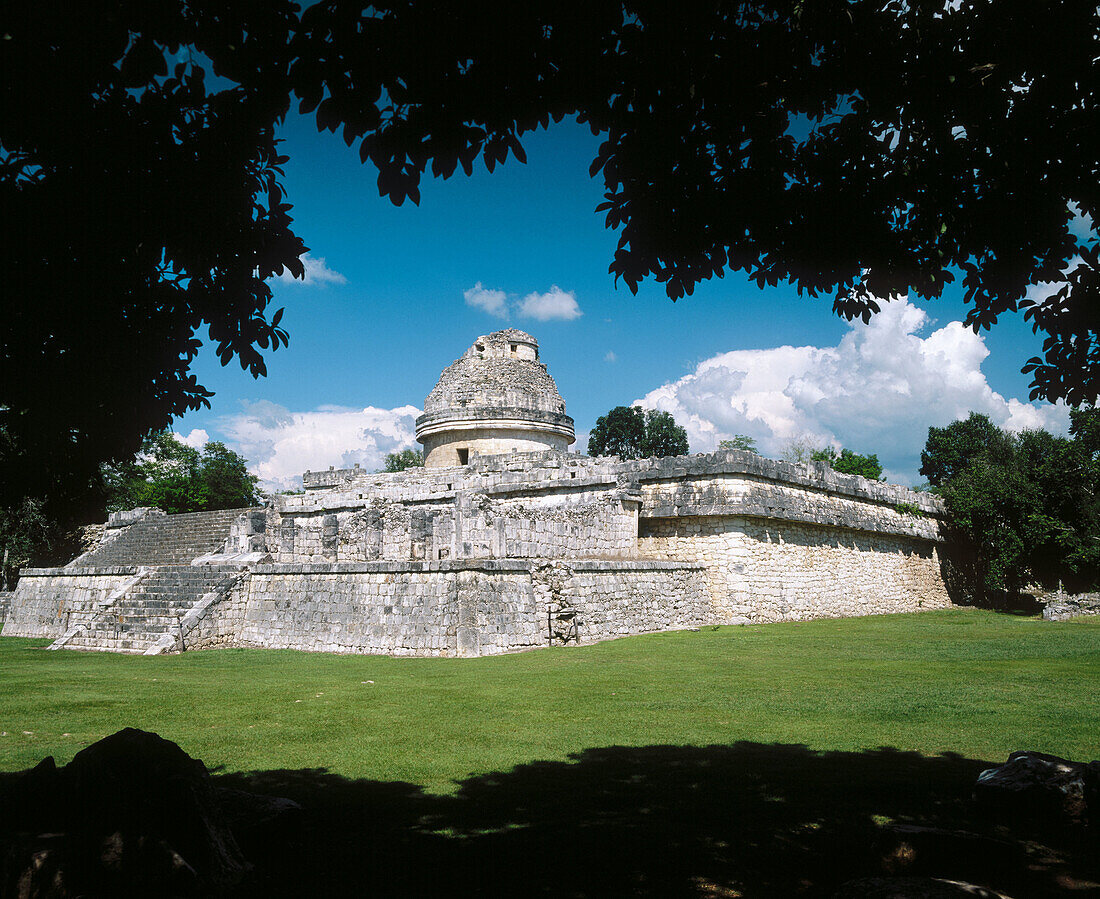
(497, 398)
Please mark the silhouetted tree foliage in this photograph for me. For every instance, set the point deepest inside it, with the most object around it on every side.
(142, 201)
(1022, 508)
(175, 477)
(406, 458)
(848, 462)
(850, 147)
(630, 432)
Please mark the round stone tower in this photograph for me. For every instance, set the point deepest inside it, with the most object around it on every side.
(498, 398)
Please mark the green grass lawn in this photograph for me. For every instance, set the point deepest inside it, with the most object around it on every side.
(975, 683)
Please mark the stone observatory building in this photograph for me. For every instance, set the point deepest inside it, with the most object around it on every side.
(504, 542)
(498, 398)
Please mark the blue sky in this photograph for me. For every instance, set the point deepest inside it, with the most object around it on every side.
(387, 310)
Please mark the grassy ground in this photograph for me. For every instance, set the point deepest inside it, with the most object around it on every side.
(753, 762)
(974, 683)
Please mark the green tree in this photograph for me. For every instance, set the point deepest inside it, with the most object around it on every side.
(950, 449)
(857, 148)
(848, 462)
(739, 442)
(1021, 509)
(630, 432)
(229, 484)
(24, 532)
(621, 432)
(663, 437)
(406, 458)
(175, 477)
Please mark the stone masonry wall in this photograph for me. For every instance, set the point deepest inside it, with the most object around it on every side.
(48, 601)
(745, 494)
(5, 605)
(385, 608)
(441, 450)
(1058, 606)
(590, 600)
(469, 527)
(474, 608)
(764, 570)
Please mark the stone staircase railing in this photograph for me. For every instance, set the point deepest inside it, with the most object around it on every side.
(177, 642)
(150, 610)
(102, 608)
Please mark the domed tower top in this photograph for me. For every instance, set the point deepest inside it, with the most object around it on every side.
(497, 398)
(511, 343)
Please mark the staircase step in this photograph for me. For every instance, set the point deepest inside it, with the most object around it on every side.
(152, 608)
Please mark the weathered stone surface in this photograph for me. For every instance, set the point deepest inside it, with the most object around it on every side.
(1041, 789)
(130, 815)
(497, 398)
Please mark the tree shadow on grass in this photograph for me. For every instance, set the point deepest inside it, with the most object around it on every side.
(747, 820)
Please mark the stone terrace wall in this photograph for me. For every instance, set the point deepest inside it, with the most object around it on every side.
(458, 525)
(617, 598)
(466, 608)
(47, 601)
(717, 483)
(770, 570)
(5, 605)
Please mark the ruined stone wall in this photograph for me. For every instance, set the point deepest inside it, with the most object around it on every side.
(719, 494)
(1059, 606)
(526, 529)
(770, 570)
(405, 609)
(592, 600)
(681, 485)
(468, 527)
(368, 531)
(5, 605)
(472, 608)
(48, 601)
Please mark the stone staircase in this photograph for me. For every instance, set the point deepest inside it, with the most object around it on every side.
(165, 540)
(150, 609)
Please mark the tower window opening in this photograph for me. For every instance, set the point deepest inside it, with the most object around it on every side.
(513, 347)
(464, 456)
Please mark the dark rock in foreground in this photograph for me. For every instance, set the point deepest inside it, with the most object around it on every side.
(1043, 790)
(131, 815)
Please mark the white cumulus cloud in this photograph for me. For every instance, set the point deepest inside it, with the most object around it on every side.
(317, 273)
(197, 439)
(495, 302)
(877, 391)
(554, 305)
(280, 444)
